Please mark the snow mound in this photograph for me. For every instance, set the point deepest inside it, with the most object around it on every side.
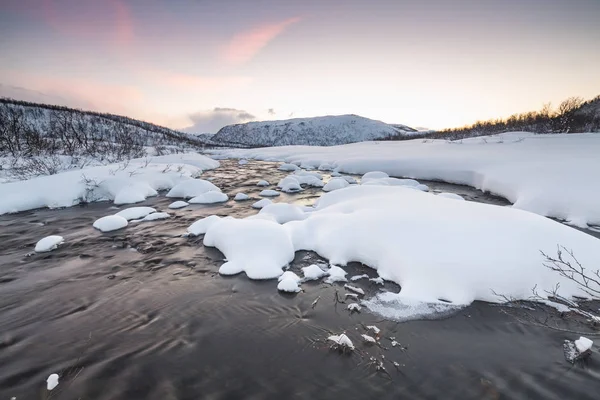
(350, 179)
(314, 174)
(335, 174)
(262, 203)
(269, 193)
(192, 188)
(354, 307)
(342, 340)
(156, 216)
(397, 308)
(289, 275)
(260, 248)
(313, 272)
(209, 198)
(335, 184)
(391, 182)
(243, 162)
(135, 212)
(289, 184)
(326, 167)
(48, 243)
(133, 194)
(201, 226)
(283, 212)
(288, 167)
(452, 196)
(373, 175)
(241, 197)
(355, 289)
(110, 223)
(178, 204)
(336, 274)
(288, 285)
(262, 183)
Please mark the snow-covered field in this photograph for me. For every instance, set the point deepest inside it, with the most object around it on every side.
(551, 175)
(123, 183)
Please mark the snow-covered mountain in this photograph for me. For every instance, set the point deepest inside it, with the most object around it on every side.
(317, 131)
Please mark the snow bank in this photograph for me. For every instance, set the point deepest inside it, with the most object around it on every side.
(551, 175)
(48, 243)
(336, 274)
(178, 204)
(210, 197)
(121, 183)
(260, 248)
(135, 212)
(241, 197)
(110, 223)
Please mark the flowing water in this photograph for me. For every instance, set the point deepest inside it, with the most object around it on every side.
(142, 313)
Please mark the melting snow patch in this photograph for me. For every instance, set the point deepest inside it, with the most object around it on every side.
(373, 328)
(342, 341)
(354, 307)
(156, 216)
(110, 223)
(368, 339)
(262, 203)
(453, 196)
(210, 198)
(201, 226)
(178, 204)
(262, 183)
(288, 167)
(241, 197)
(269, 193)
(326, 167)
(355, 289)
(48, 243)
(52, 381)
(313, 272)
(192, 188)
(135, 212)
(423, 188)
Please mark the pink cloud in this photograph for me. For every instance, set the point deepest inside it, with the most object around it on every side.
(244, 46)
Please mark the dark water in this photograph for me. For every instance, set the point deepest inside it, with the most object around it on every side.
(142, 314)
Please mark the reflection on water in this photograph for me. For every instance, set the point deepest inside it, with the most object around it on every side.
(142, 314)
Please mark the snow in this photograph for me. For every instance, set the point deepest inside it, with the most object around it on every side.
(326, 167)
(289, 184)
(288, 167)
(48, 243)
(135, 212)
(313, 272)
(262, 203)
(373, 328)
(557, 306)
(422, 187)
(156, 216)
(283, 212)
(133, 182)
(336, 274)
(357, 277)
(241, 197)
(452, 196)
(355, 289)
(583, 344)
(262, 183)
(551, 175)
(269, 193)
(178, 204)
(377, 281)
(289, 275)
(110, 223)
(201, 226)
(335, 184)
(342, 340)
(314, 174)
(192, 188)
(258, 247)
(289, 286)
(373, 175)
(52, 381)
(335, 174)
(354, 307)
(350, 179)
(368, 339)
(209, 198)
(243, 162)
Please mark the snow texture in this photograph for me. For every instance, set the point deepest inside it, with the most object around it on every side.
(135, 212)
(241, 197)
(313, 272)
(262, 203)
(110, 223)
(209, 198)
(289, 184)
(269, 193)
(551, 175)
(288, 285)
(48, 243)
(178, 204)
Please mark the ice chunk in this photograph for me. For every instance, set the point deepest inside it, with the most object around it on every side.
(583, 344)
(241, 197)
(288, 167)
(314, 174)
(453, 196)
(355, 289)
(209, 198)
(313, 272)
(48, 243)
(368, 339)
(110, 223)
(135, 212)
(283, 212)
(269, 193)
(336, 274)
(335, 184)
(201, 226)
(262, 183)
(192, 188)
(178, 204)
(52, 381)
(262, 203)
(335, 174)
(342, 340)
(326, 167)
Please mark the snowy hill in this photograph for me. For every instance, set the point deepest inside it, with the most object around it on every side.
(317, 131)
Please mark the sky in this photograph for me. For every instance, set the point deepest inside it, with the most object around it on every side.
(197, 65)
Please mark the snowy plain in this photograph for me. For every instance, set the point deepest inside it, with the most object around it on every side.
(551, 175)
